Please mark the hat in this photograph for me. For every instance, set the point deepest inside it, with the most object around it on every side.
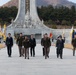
(60, 36)
(46, 34)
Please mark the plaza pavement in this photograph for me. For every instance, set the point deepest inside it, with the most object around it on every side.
(38, 65)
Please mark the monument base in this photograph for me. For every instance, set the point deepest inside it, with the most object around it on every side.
(38, 32)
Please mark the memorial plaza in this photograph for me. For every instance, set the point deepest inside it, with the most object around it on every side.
(37, 65)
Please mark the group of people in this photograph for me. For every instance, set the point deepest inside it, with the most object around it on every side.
(24, 43)
(46, 43)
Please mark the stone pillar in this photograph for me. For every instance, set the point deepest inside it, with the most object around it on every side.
(20, 19)
(33, 11)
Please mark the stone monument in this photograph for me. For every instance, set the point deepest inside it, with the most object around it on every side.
(28, 22)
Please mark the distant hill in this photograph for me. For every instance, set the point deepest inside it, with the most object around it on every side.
(44, 3)
(11, 3)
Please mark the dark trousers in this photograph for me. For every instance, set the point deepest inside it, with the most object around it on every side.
(32, 51)
(9, 50)
(59, 53)
(20, 52)
(74, 51)
(43, 52)
(26, 51)
(47, 50)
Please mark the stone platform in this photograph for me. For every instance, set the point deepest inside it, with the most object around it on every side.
(38, 65)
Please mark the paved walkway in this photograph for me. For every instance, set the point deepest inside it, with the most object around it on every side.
(38, 65)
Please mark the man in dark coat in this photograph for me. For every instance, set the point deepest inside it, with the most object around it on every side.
(9, 44)
(19, 43)
(74, 44)
(32, 45)
(42, 44)
(46, 44)
(60, 46)
(26, 45)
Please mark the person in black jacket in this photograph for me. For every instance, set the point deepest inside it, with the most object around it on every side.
(60, 46)
(26, 45)
(32, 45)
(19, 43)
(9, 44)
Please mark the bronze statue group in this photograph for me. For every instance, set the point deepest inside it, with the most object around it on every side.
(24, 44)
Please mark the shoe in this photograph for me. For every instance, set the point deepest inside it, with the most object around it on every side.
(20, 56)
(9, 55)
(45, 57)
(73, 55)
(48, 56)
(61, 58)
(57, 56)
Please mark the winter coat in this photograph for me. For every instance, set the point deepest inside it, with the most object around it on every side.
(60, 44)
(20, 40)
(46, 42)
(32, 42)
(9, 41)
(26, 43)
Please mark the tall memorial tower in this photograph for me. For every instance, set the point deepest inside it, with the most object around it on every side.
(27, 20)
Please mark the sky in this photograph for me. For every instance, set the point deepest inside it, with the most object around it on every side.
(5, 1)
(72, 1)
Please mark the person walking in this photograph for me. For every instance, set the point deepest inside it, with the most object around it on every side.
(9, 44)
(74, 44)
(19, 43)
(32, 45)
(42, 45)
(46, 44)
(26, 45)
(60, 45)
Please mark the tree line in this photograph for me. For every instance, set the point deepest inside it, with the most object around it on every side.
(51, 15)
(7, 14)
(58, 15)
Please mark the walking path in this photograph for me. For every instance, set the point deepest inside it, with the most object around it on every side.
(38, 65)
